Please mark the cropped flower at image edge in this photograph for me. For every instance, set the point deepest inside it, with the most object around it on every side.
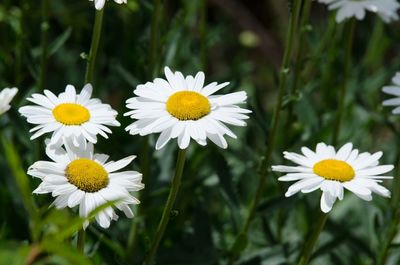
(99, 4)
(333, 171)
(386, 9)
(6, 95)
(393, 90)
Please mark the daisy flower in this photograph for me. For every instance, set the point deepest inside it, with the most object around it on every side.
(395, 91)
(6, 95)
(77, 176)
(99, 4)
(386, 9)
(181, 107)
(332, 171)
(70, 114)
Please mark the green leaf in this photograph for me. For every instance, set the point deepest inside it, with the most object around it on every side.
(59, 42)
(66, 251)
(22, 181)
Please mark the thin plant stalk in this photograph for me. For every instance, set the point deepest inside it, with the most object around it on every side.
(90, 66)
(13, 159)
(203, 34)
(44, 43)
(19, 46)
(91, 59)
(176, 181)
(154, 39)
(343, 89)
(154, 51)
(304, 20)
(299, 64)
(392, 231)
(323, 45)
(80, 245)
(309, 246)
(241, 240)
(391, 234)
(312, 240)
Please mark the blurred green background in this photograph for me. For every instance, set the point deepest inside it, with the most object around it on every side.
(230, 40)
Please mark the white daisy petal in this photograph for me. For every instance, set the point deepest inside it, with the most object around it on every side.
(6, 95)
(295, 176)
(386, 9)
(75, 198)
(344, 152)
(327, 201)
(395, 91)
(114, 166)
(303, 184)
(376, 170)
(99, 4)
(291, 169)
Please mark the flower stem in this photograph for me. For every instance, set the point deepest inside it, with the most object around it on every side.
(203, 35)
(176, 181)
(91, 62)
(343, 89)
(91, 59)
(309, 246)
(154, 51)
(81, 240)
(395, 217)
(22, 181)
(391, 234)
(154, 39)
(304, 19)
(19, 45)
(44, 43)
(241, 240)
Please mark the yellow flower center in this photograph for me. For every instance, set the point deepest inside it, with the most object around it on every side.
(188, 105)
(333, 169)
(71, 114)
(87, 175)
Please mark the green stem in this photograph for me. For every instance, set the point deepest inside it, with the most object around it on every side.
(309, 246)
(154, 38)
(13, 158)
(241, 240)
(133, 232)
(81, 241)
(176, 181)
(20, 43)
(323, 46)
(305, 16)
(203, 35)
(91, 62)
(44, 43)
(396, 181)
(343, 89)
(394, 222)
(154, 52)
(391, 234)
(91, 59)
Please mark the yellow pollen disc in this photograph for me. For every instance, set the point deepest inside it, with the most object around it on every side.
(71, 114)
(333, 169)
(87, 175)
(188, 105)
